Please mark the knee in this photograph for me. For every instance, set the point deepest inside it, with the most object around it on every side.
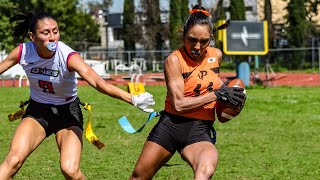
(14, 160)
(70, 170)
(139, 175)
(205, 170)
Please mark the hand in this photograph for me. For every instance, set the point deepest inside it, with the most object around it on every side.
(234, 95)
(143, 101)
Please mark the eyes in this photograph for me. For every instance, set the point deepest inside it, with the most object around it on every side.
(47, 32)
(194, 40)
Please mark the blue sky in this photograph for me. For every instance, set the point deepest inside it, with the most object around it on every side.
(117, 5)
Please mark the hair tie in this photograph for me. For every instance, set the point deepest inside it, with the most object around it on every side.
(199, 10)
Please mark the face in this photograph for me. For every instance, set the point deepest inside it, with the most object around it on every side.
(196, 41)
(46, 31)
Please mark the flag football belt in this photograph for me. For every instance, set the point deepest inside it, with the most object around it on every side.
(125, 124)
(92, 138)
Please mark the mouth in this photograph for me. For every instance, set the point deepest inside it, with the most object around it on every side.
(195, 53)
(52, 46)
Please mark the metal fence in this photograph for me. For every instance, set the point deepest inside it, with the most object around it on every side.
(123, 60)
(280, 60)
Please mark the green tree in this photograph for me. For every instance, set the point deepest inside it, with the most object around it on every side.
(297, 26)
(296, 23)
(184, 10)
(155, 31)
(268, 18)
(152, 23)
(175, 24)
(128, 25)
(237, 10)
(76, 27)
(6, 38)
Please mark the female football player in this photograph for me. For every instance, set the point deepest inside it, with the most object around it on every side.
(53, 106)
(193, 86)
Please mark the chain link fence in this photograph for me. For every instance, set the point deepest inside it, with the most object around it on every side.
(280, 60)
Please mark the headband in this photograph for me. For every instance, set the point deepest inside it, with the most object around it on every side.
(199, 10)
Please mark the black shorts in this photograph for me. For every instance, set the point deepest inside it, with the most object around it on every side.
(175, 132)
(53, 118)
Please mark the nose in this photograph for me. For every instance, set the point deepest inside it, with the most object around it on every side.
(197, 46)
(51, 37)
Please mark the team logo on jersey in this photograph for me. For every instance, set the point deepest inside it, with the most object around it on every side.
(202, 74)
(45, 71)
(211, 60)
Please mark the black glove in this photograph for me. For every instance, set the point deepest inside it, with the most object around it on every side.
(234, 95)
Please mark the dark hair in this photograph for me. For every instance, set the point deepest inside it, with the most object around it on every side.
(197, 18)
(26, 22)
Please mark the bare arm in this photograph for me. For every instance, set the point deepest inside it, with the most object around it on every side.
(175, 86)
(87, 73)
(11, 60)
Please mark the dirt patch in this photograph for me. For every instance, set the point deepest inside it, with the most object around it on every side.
(152, 79)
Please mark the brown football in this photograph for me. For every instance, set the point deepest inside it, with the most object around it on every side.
(225, 110)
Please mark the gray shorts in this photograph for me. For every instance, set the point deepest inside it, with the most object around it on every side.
(174, 132)
(53, 118)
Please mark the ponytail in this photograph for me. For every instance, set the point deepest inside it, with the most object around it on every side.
(22, 21)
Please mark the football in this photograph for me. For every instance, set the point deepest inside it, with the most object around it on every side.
(225, 110)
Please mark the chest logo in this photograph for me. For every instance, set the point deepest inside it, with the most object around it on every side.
(202, 74)
(45, 71)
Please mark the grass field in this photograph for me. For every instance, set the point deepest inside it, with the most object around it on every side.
(276, 136)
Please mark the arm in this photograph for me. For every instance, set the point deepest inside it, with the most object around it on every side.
(77, 64)
(10, 60)
(175, 86)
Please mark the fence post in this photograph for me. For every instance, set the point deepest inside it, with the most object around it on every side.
(319, 58)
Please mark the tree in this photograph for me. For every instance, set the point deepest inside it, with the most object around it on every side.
(312, 11)
(296, 23)
(76, 27)
(6, 38)
(218, 15)
(128, 25)
(237, 10)
(175, 24)
(184, 10)
(268, 18)
(153, 34)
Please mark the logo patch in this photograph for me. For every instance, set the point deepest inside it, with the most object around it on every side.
(211, 60)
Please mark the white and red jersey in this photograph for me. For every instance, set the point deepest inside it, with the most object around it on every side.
(51, 82)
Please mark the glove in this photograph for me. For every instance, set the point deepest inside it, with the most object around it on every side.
(143, 101)
(234, 95)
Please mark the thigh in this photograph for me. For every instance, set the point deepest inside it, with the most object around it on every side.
(200, 153)
(152, 158)
(69, 142)
(68, 115)
(28, 135)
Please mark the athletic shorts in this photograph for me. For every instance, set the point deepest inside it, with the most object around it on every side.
(174, 132)
(53, 118)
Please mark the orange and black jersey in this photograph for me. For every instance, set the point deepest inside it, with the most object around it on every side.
(199, 78)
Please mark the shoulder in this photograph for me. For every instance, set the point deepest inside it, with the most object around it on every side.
(217, 52)
(172, 58)
(172, 63)
(62, 45)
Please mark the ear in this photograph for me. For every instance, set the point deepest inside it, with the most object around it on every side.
(31, 36)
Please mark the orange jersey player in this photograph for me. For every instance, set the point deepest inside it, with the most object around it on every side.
(193, 86)
(199, 78)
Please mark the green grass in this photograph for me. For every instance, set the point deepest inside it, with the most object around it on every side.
(276, 136)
